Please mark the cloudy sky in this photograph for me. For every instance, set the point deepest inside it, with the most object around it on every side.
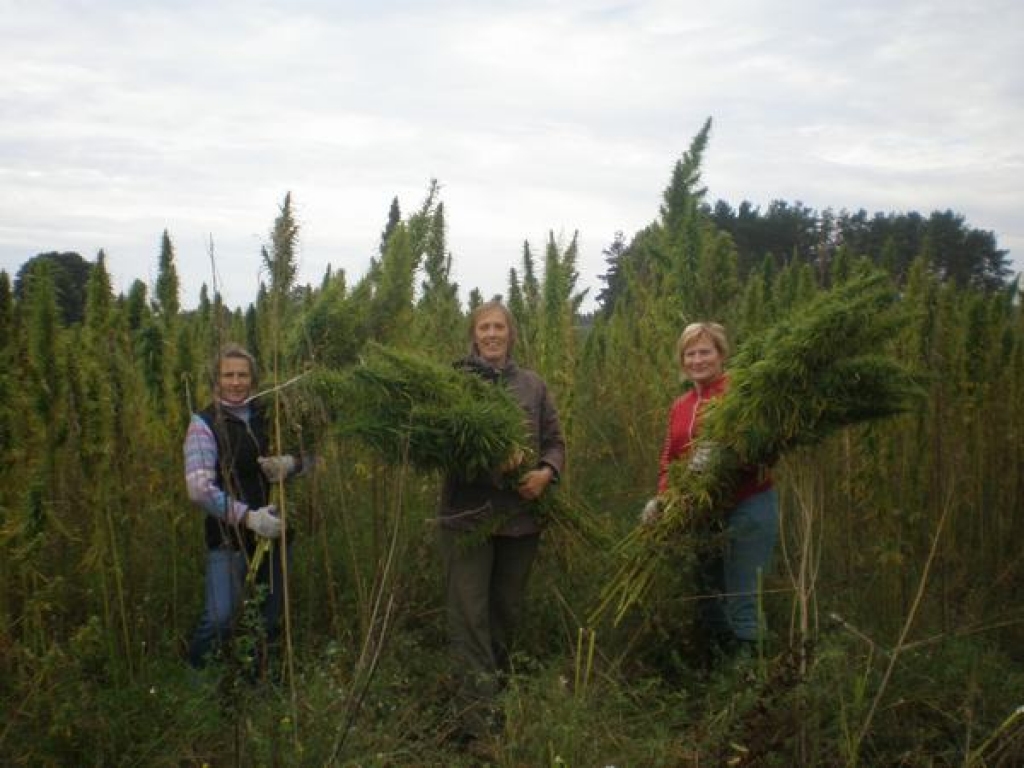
(123, 119)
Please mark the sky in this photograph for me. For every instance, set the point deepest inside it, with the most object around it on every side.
(121, 120)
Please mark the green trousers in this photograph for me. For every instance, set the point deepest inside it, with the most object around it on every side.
(485, 583)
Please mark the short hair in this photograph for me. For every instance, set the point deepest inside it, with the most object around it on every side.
(233, 350)
(480, 311)
(702, 330)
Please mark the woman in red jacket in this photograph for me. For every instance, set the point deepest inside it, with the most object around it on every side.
(728, 575)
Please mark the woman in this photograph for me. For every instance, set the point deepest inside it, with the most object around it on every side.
(489, 539)
(229, 477)
(729, 572)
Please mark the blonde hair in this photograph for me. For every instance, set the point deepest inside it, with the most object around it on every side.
(480, 311)
(714, 332)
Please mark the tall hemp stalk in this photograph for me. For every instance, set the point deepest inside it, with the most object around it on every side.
(97, 445)
(281, 264)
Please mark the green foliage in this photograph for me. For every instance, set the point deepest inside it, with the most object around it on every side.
(281, 259)
(792, 386)
(6, 311)
(438, 319)
(136, 307)
(431, 416)
(683, 195)
(819, 370)
(43, 351)
(167, 302)
(69, 272)
(959, 253)
(331, 330)
(101, 552)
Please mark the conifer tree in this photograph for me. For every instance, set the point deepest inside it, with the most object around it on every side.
(614, 256)
(69, 273)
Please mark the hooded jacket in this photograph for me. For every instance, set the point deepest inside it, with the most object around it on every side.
(465, 505)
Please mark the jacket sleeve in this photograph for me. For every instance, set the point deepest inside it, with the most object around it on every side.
(674, 444)
(201, 475)
(550, 437)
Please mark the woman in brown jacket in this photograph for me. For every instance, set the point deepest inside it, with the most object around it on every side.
(489, 538)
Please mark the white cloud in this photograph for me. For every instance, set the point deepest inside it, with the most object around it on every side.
(123, 119)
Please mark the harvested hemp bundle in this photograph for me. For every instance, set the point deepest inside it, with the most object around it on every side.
(440, 419)
(410, 409)
(791, 386)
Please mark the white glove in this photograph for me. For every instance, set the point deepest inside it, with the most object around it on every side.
(652, 511)
(277, 468)
(702, 455)
(264, 522)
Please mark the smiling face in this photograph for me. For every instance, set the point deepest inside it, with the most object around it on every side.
(702, 361)
(491, 337)
(234, 381)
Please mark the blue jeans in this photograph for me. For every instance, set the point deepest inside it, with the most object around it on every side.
(226, 570)
(728, 573)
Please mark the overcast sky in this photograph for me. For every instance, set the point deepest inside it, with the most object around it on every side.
(123, 119)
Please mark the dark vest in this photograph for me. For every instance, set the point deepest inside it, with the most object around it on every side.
(238, 473)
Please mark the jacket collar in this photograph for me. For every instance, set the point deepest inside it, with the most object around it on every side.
(475, 364)
(713, 389)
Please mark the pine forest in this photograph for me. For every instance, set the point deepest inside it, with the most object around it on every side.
(893, 610)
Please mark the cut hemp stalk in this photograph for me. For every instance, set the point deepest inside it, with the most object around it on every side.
(411, 409)
(436, 418)
(822, 369)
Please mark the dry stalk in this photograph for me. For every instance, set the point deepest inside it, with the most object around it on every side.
(901, 642)
(805, 577)
(976, 756)
(377, 629)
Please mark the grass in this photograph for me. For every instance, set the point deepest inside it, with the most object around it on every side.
(584, 700)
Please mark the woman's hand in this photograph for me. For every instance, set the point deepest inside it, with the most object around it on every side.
(511, 464)
(535, 482)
